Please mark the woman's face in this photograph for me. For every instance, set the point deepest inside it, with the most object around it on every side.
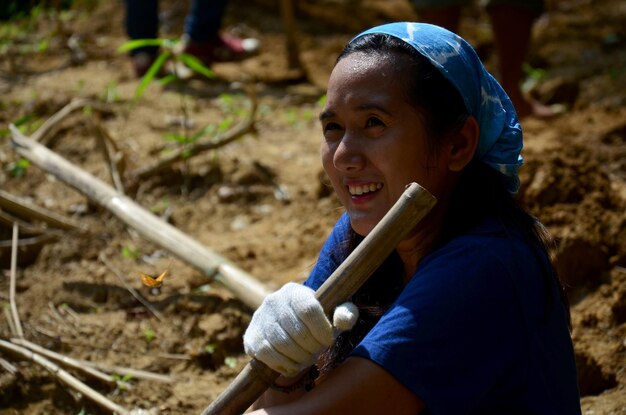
(374, 140)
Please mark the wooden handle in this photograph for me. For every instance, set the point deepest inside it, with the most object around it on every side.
(405, 214)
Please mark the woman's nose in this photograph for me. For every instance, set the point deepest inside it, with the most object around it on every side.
(349, 155)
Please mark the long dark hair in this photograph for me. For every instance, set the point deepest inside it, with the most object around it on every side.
(480, 193)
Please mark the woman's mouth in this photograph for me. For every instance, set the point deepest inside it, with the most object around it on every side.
(360, 190)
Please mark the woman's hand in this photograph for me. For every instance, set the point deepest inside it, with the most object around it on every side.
(290, 329)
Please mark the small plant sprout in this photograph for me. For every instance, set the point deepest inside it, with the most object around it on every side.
(122, 380)
(149, 335)
(231, 362)
(171, 59)
(210, 348)
(533, 77)
(130, 252)
(111, 93)
(18, 168)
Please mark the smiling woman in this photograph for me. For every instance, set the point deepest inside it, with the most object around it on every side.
(466, 316)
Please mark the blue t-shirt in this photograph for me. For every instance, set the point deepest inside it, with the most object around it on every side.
(477, 330)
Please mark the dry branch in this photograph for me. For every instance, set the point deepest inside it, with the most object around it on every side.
(112, 155)
(62, 114)
(221, 140)
(123, 371)
(9, 319)
(64, 376)
(6, 365)
(14, 314)
(69, 362)
(23, 208)
(250, 291)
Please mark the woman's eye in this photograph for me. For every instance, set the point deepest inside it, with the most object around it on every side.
(373, 122)
(331, 126)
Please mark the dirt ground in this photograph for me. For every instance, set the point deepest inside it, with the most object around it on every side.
(261, 202)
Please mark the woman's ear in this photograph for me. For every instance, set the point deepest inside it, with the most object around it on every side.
(462, 145)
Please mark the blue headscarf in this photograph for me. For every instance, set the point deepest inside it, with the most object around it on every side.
(500, 136)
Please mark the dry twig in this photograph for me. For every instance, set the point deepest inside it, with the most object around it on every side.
(24, 208)
(245, 287)
(14, 314)
(6, 365)
(70, 363)
(64, 376)
(136, 373)
(9, 319)
(202, 146)
(112, 155)
(131, 290)
(52, 122)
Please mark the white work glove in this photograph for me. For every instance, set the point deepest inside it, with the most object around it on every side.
(290, 330)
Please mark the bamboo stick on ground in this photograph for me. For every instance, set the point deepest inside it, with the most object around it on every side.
(9, 319)
(24, 208)
(62, 114)
(136, 373)
(247, 289)
(64, 376)
(69, 362)
(14, 314)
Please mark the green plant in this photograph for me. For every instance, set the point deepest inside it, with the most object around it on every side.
(231, 362)
(149, 335)
(176, 64)
(18, 168)
(130, 252)
(533, 77)
(121, 380)
(111, 93)
(170, 56)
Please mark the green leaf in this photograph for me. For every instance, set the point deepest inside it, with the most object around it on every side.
(151, 73)
(208, 130)
(130, 253)
(225, 124)
(18, 168)
(149, 335)
(139, 43)
(231, 362)
(168, 79)
(178, 138)
(196, 65)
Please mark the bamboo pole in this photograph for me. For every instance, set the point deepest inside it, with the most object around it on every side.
(24, 208)
(250, 291)
(13, 303)
(64, 377)
(402, 218)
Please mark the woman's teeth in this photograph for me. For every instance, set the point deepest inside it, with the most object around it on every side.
(359, 190)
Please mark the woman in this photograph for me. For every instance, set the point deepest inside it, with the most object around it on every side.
(467, 315)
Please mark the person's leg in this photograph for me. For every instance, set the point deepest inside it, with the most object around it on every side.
(204, 40)
(512, 24)
(142, 22)
(204, 19)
